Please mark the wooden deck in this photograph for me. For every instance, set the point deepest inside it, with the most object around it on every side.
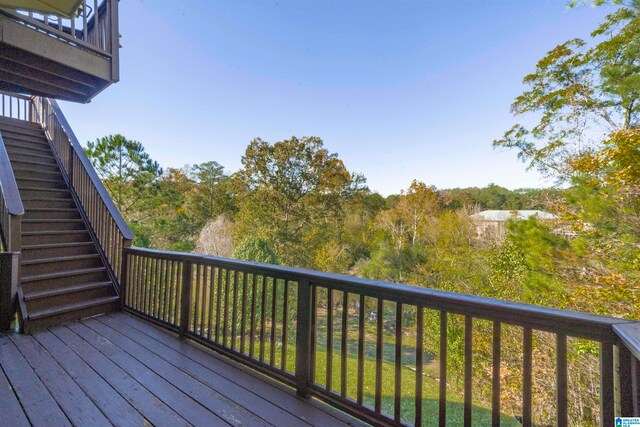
(119, 370)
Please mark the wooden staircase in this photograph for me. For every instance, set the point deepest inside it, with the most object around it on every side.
(63, 274)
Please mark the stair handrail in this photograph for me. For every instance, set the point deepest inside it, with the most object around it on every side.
(111, 230)
(11, 207)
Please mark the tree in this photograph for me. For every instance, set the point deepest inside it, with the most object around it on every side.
(288, 191)
(581, 92)
(207, 195)
(126, 170)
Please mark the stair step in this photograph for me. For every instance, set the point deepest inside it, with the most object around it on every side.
(38, 277)
(43, 192)
(45, 299)
(35, 166)
(59, 259)
(75, 311)
(10, 121)
(47, 183)
(28, 172)
(32, 238)
(26, 138)
(39, 282)
(19, 146)
(7, 123)
(27, 153)
(35, 157)
(58, 249)
(15, 131)
(60, 264)
(65, 290)
(48, 293)
(31, 202)
(29, 225)
(51, 213)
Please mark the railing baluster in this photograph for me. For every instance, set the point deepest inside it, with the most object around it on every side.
(234, 317)
(185, 299)
(379, 343)
(398, 365)
(527, 369)
(468, 368)
(285, 326)
(561, 380)
(495, 392)
(274, 321)
(203, 301)
(314, 332)
(243, 317)
(361, 310)
(218, 302)
(343, 345)
(607, 412)
(419, 366)
(329, 376)
(304, 332)
(225, 323)
(263, 316)
(252, 321)
(625, 359)
(442, 401)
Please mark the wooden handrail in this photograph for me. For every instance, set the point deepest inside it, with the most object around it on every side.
(11, 207)
(107, 227)
(243, 310)
(8, 185)
(86, 164)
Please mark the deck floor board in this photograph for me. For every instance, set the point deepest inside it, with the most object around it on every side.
(120, 370)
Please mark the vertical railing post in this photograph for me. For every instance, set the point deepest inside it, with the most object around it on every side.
(124, 272)
(185, 296)
(114, 34)
(303, 338)
(9, 264)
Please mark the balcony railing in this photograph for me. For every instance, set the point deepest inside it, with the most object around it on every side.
(343, 339)
(93, 27)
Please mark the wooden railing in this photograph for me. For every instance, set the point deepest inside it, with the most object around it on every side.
(16, 106)
(94, 28)
(109, 228)
(11, 209)
(342, 339)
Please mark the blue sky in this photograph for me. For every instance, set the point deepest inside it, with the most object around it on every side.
(399, 89)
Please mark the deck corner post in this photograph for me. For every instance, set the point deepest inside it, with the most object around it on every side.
(303, 338)
(124, 272)
(185, 297)
(9, 265)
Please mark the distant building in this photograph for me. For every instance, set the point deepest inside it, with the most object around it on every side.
(490, 224)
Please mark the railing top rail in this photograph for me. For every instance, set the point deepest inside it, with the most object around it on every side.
(97, 182)
(629, 333)
(8, 185)
(15, 95)
(571, 323)
(14, 14)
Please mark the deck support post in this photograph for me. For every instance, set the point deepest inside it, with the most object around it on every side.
(185, 297)
(124, 272)
(9, 264)
(303, 338)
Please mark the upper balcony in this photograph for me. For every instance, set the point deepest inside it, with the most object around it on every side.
(69, 58)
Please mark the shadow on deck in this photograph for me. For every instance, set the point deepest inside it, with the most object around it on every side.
(119, 370)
